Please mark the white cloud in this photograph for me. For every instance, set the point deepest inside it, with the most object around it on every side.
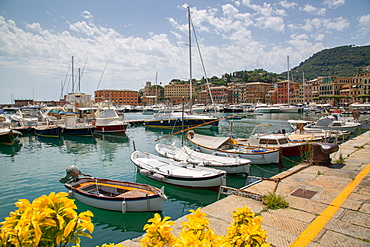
(318, 37)
(338, 24)
(364, 21)
(84, 28)
(228, 9)
(288, 5)
(364, 26)
(313, 10)
(274, 23)
(333, 4)
(86, 14)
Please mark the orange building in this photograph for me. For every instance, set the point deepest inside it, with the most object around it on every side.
(289, 93)
(118, 97)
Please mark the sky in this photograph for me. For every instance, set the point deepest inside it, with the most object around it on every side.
(122, 44)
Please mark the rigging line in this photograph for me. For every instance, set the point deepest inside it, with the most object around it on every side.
(102, 75)
(83, 68)
(204, 69)
(65, 80)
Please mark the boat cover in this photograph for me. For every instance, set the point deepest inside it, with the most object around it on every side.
(212, 142)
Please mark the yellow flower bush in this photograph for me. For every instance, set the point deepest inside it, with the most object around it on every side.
(52, 221)
(47, 221)
(245, 231)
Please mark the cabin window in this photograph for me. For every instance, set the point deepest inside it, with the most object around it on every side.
(283, 141)
(264, 141)
(267, 141)
(273, 142)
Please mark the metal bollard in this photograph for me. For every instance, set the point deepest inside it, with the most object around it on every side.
(321, 153)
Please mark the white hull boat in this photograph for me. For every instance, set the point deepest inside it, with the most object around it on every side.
(177, 173)
(227, 146)
(116, 195)
(231, 165)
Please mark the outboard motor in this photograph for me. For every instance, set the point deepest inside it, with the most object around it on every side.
(72, 173)
(321, 153)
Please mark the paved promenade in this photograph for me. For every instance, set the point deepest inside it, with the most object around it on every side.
(328, 205)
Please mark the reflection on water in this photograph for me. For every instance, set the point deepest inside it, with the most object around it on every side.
(51, 141)
(11, 150)
(122, 138)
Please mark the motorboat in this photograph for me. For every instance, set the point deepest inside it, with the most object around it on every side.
(262, 136)
(232, 165)
(265, 108)
(107, 121)
(302, 133)
(180, 119)
(228, 146)
(289, 109)
(332, 122)
(177, 173)
(121, 196)
(26, 118)
(8, 136)
(233, 108)
(73, 125)
(47, 130)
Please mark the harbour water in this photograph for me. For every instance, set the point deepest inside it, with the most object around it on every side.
(34, 167)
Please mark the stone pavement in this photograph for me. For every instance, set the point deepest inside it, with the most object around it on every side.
(328, 205)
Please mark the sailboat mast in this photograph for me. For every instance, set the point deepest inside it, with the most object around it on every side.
(73, 80)
(288, 81)
(190, 65)
(156, 87)
(79, 79)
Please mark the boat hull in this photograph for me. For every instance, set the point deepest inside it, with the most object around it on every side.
(47, 131)
(177, 123)
(295, 150)
(9, 136)
(147, 198)
(134, 205)
(184, 175)
(350, 129)
(111, 129)
(78, 131)
(257, 158)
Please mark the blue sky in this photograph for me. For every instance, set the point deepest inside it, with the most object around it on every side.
(123, 44)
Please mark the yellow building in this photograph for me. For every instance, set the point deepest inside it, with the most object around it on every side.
(177, 93)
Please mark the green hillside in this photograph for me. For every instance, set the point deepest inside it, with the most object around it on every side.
(339, 61)
(346, 61)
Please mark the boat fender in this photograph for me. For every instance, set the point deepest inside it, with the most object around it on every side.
(70, 194)
(124, 207)
(145, 172)
(162, 194)
(158, 177)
